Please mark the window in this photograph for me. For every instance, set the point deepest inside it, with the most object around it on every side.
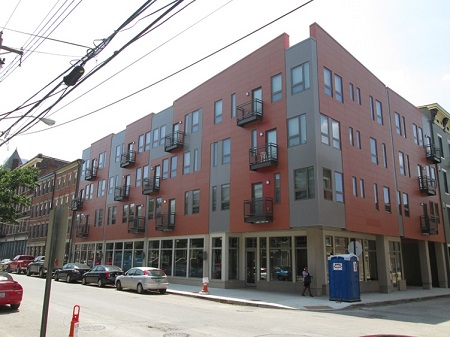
(118, 153)
(401, 163)
(375, 196)
(373, 150)
(187, 163)
(300, 78)
(398, 127)
(141, 144)
(165, 168)
(124, 213)
(324, 130)
(399, 201)
(361, 188)
(226, 151)
(214, 199)
(352, 92)
(338, 88)
(327, 185)
(372, 112)
(215, 154)
(304, 183)
(277, 88)
(328, 124)
(155, 137)
(101, 188)
(195, 201)
(139, 176)
(187, 123)
(162, 134)
(225, 197)
(444, 178)
(387, 199)
(379, 112)
(196, 161)
(383, 147)
(327, 80)
(350, 134)
(339, 186)
(233, 105)
(150, 208)
(404, 126)
(217, 111)
(416, 140)
(277, 187)
(173, 166)
(98, 217)
(195, 121)
(148, 140)
(358, 95)
(354, 187)
(358, 139)
(297, 130)
(101, 160)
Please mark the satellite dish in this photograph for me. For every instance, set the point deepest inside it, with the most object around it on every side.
(355, 246)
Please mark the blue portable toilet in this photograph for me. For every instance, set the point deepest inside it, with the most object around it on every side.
(343, 271)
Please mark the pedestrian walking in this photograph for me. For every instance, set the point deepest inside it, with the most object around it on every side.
(306, 282)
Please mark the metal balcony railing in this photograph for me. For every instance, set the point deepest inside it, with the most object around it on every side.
(259, 210)
(427, 184)
(137, 225)
(165, 221)
(433, 153)
(121, 193)
(174, 141)
(150, 185)
(82, 230)
(263, 156)
(76, 204)
(91, 173)
(128, 159)
(249, 112)
(429, 224)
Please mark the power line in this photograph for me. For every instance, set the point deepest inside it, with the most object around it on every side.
(174, 73)
(14, 10)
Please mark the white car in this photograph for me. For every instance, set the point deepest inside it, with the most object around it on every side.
(143, 279)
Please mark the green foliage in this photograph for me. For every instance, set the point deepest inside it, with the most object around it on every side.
(10, 198)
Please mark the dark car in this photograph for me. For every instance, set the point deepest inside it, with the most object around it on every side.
(37, 267)
(102, 275)
(71, 272)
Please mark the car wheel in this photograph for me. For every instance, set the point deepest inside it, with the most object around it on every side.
(140, 289)
(41, 273)
(56, 277)
(28, 272)
(83, 281)
(162, 291)
(68, 278)
(15, 306)
(17, 270)
(119, 285)
(100, 283)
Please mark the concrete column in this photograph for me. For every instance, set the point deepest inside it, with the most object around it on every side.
(317, 263)
(441, 264)
(425, 268)
(383, 261)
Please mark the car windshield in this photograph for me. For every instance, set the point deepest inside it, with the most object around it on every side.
(81, 266)
(5, 277)
(112, 268)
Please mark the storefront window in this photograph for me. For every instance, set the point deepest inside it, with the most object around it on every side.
(340, 245)
(301, 255)
(90, 254)
(216, 258)
(263, 258)
(118, 247)
(280, 258)
(196, 258)
(153, 254)
(109, 253)
(138, 259)
(98, 253)
(396, 262)
(370, 261)
(166, 256)
(329, 245)
(233, 258)
(180, 257)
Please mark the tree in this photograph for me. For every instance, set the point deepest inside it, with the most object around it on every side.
(10, 198)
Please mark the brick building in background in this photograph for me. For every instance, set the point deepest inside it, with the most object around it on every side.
(290, 155)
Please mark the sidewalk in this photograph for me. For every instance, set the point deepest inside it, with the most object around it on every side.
(282, 300)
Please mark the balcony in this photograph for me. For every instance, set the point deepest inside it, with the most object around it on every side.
(150, 185)
(249, 112)
(258, 210)
(174, 141)
(76, 204)
(137, 225)
(91, 173)
(427, 184)
(263, 156)
(121, 193)
(128, 159)
(165, 222)
(433, 153)
(429, 224)
(82, 230)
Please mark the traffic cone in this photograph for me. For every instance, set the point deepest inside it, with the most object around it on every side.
(205, 289)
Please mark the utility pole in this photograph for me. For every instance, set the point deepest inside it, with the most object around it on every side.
(11, 50)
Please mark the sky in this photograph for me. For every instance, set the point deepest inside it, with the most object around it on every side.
(405, 43)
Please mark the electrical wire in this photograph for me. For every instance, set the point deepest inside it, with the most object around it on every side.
(14, 10)
(172, 74)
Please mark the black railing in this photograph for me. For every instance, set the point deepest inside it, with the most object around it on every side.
(249, 112)
(165, 221)
(137, 225)
(76, 204)
(259, 210)
(128, 159)
(82, 230)
(427, 184)
(429, 224)
(150, 185)
(174, 141)
(263, 156)
(121, 192)
(433, 153)
(90, 173)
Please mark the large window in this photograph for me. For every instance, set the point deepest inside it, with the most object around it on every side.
(225, 197)
(387, 199)
(277, 88)
(328, 137)
(379, 112)
(338, 88)
(280, 249)
(304, 183)
(180, 258)
(195, 121)
(300, 78)
(297, 130)
(216, 258)
(339, 186)
(373, 150)
(187, 163)
(327, 80)
(226, 151)
(196, 257)
(327, 184)
(195, 201)
(217, 111)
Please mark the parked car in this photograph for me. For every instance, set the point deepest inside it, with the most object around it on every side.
(19, 263)
(283, 273)
(143, 279)
(102, 275)
(37, 267)
(4, 263)
(71, 272)
(10, 291)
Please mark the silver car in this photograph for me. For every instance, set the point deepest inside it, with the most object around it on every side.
(143, 279)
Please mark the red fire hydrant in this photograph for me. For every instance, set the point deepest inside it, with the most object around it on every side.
(75, 321)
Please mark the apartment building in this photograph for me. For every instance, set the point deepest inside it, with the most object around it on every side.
(290, 155)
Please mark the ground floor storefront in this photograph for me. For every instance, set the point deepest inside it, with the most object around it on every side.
(274, 261)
